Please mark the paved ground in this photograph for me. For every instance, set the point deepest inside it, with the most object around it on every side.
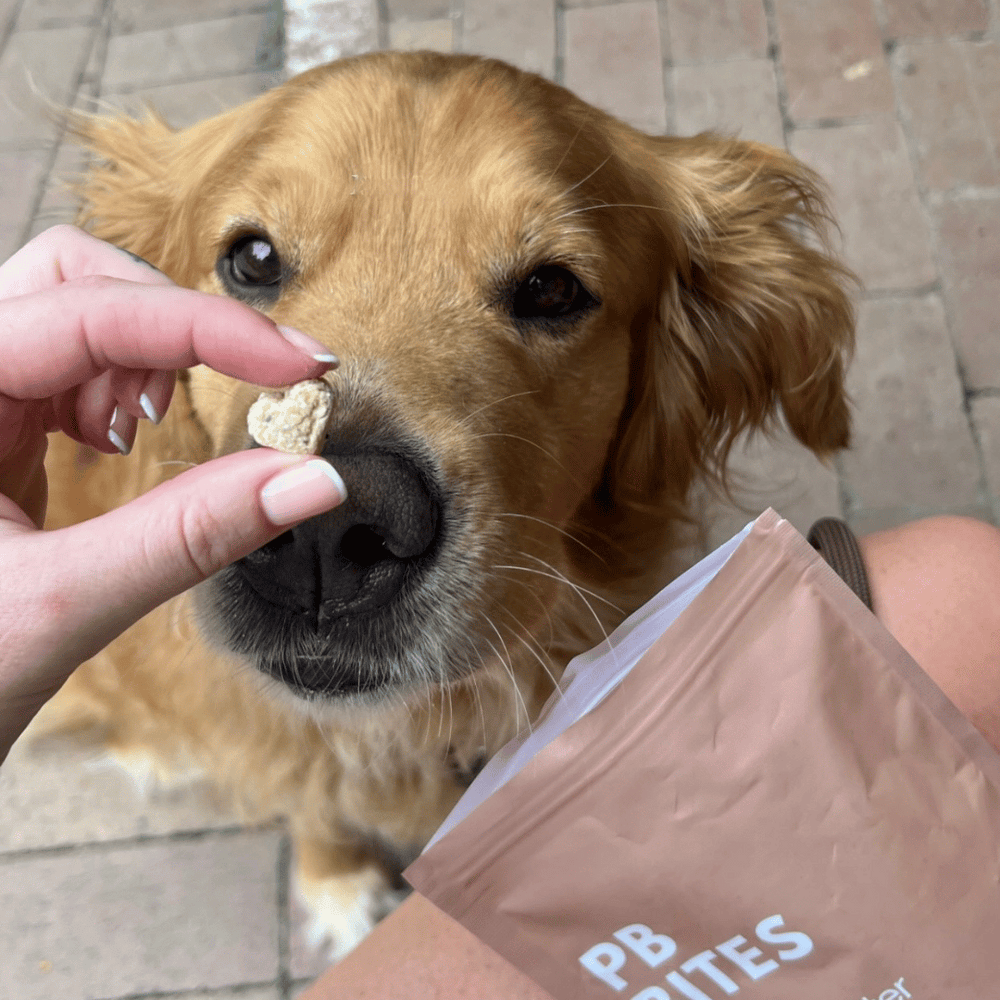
(896, 102)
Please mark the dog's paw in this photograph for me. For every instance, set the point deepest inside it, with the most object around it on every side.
(148, 774)
(343, 909)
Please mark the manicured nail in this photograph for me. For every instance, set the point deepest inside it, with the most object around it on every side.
(302, 491)
(121, 433)
(148, 408)
(313, 348)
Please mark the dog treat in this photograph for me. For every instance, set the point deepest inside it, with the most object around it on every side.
(294, 420)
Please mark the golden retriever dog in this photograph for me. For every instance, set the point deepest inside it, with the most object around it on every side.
(551, 328)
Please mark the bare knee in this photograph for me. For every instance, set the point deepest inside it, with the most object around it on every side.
(936, 586)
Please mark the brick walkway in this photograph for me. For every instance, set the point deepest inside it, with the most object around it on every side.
(896, 102)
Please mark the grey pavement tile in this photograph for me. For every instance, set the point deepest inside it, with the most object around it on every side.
(60, 796)
(519, 31)
(832, 59)
(613, 60)
(168, 916)
(418, 10)
(144, 15)
(254, 993)
(714, 30)
(933, 18)
(886, 237)
(230, 45)
(867, 522)
(774, 472)
(58, 203)
(912, 444)
(183, 104)
(321, 31)
(738, 97)
(38, 67)
(983, 59)
(437, 35)
(986, 421)
(8, 9)
(21, 173)
(969, 251)
(944, 120)
(52, 13)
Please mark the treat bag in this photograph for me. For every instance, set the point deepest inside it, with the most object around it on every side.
(771, 801)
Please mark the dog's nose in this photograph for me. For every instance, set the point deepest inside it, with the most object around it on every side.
(359, 556)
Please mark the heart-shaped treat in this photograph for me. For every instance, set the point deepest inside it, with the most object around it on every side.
(294, 420)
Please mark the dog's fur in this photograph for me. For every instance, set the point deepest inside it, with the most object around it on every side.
(409, 197)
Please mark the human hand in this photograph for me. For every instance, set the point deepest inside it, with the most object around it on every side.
(87, 331)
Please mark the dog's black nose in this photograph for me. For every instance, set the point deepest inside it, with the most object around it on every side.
(360, 555)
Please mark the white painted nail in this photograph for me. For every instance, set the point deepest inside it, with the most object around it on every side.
(147, 407)
(121, 433)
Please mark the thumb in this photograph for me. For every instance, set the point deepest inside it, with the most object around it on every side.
(106, 573)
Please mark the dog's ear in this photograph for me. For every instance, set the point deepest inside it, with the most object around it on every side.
(147, 181)
(753, 318)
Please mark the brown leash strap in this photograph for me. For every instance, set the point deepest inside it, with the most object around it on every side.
(836, 543)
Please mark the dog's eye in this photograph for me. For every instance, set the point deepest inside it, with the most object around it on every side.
(254, 261)
(550, 292)
(251, 270)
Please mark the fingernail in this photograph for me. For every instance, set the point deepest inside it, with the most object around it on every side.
(302, 491)
(121, 433)
(313, 348)
(147, 407)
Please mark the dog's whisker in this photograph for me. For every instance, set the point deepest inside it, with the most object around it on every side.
(524, 635)
(561, 578)
(545, 610)
(622, 204)
(176, 461)
(555, 527)
(496, 402)
(580, 591)
(510, 671)
(517, 437)
(576, 135)
(587, 178)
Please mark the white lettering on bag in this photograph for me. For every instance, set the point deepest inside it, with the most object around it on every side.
(653, 949)
(745, 959)
(802, 945)
(605, 960)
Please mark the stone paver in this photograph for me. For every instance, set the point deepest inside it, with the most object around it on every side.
(716, 30)
(937, 97)
(906, 384)
(613, 60)
(986, 421)
(168, 55)
(437, 34)
(38, 68)
(21, 173)
(137, 918)
(934, 18)
(520, 32)
(969, 241)
(833, 61)
(738, 97)
(875, 200)
(896, 102)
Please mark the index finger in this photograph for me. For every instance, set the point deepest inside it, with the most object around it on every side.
(55, 339)
(65, 252)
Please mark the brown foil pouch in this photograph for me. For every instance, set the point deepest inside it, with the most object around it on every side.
(775, 802)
